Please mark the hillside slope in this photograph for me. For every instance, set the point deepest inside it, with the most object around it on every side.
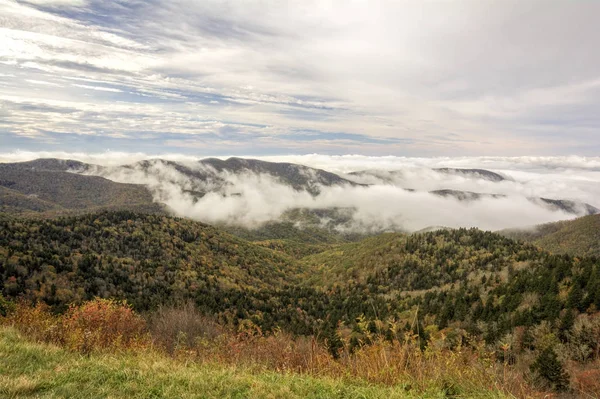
(431, 260)
(146, 259)
(480, 282)
(48, 185)
(576, 237)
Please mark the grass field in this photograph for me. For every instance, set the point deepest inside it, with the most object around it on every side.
(33, 370)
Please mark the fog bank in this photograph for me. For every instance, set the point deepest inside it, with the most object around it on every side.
(249, 198)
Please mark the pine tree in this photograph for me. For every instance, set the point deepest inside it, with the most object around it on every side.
(575, 297)
(566, 322)
(550, 369)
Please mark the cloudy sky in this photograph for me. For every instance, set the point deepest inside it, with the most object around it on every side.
(250, 77)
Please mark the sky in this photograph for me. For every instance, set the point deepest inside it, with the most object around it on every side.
(255, 77)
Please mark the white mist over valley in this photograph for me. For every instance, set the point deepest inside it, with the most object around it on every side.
(370, 194)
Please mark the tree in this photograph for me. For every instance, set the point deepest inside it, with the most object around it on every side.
(5, 306)
(550, 369)
(575, 297)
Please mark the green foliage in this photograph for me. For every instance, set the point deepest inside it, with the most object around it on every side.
(549, 368)
(463, 280)
(5, 306)
(146, 259)
(302, 226)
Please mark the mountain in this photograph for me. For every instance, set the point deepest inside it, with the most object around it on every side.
(375, 176)
(308, 226)
(396, 177)
(465, 195)
(461, 276)
(421, 261)
(50, 164)
(473, 173)
(52, 186)
(573, 207)
(299, 177)
(214, 174)
(48, 185)
(392, 176)
(580, 236)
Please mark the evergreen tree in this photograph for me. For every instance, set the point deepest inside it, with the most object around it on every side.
(575, 298)
(549, 368)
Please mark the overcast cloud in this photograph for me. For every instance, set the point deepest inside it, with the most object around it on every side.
(419, 78)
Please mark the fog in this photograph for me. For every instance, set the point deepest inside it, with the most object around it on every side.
(250, 199)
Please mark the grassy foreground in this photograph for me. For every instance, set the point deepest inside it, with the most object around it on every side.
(34, 370)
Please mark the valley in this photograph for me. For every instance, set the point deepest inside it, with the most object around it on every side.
(74, 233)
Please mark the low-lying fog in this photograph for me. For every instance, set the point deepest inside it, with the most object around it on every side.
(250, 199)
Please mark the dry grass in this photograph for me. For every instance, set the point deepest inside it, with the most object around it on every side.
(100, 326)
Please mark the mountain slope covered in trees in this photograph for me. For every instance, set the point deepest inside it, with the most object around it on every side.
(480, 281)
(146, 259)
(49, 186)
(448, 287)
(580, 236)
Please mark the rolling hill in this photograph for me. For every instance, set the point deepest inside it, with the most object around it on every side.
(49, 186)
(580, 236)
(153, 259)
(146, 259)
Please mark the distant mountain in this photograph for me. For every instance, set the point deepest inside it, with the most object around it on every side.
(391, 176)
(568, 206)
(574, 207)
(465, 195)
(580, 236)
(298, 176)
(49, 164)
(473, 173)
(56, 186)
(376, 176)
(46, 185)
(211, 173)
(313, 226)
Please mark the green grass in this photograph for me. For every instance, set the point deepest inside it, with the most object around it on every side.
(32, 370)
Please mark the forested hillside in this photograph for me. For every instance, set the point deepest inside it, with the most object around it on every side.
(458, 286)
(473, 280)
(580, 236)
(47, 186)
(146, 259)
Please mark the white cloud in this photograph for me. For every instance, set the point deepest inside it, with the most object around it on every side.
(58, 2)
(253, 199)
(451, 77)
(98, 88)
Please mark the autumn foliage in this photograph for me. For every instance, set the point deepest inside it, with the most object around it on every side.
(100, 324)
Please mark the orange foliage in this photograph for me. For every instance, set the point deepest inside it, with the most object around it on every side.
(109, 325)
(99, 324)
(587, 382)
(102, 324)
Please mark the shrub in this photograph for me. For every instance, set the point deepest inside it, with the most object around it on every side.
(174, 327)
(35, 321)
(103, 324)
